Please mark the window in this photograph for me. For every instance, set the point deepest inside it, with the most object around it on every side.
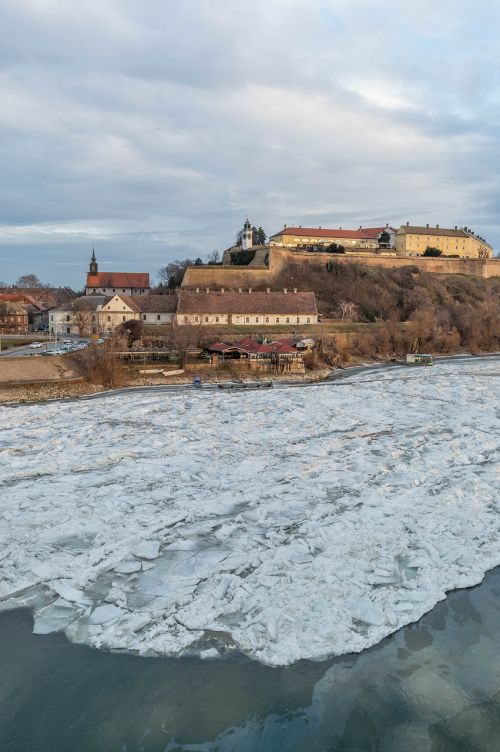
(114, 289)
(185, 319)
(256, 319)
(277, 319)
(216, 319)
(308, 320)
(124, 318)
(267, 319)
(288, 321)
(144, 317)
(123, 290)
(196, 318)
(206, 319)
(247, 319)
(67, 318)
(158, 317)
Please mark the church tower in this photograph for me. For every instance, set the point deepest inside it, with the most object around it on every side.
(93, 264)
(247, 236)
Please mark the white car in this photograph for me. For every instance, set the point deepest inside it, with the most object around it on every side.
(68, 342)
(35, 345)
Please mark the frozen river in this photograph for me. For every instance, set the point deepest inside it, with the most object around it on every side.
(285, 524)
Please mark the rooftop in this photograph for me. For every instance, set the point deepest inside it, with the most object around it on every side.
(118, 279)
(362, 233)
(247, 302)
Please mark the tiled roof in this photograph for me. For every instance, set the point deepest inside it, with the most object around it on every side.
(247, 303)
(366, 233)
(85, 302)
(414, 230)
(118, 279)
(156, 303)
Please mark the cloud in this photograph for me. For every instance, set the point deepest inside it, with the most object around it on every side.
(150, 129)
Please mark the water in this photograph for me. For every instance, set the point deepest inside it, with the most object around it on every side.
(433, 686)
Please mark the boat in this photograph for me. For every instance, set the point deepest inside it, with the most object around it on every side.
(419, 359)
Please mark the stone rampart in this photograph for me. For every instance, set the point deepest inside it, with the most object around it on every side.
(234, 277)
(471, 267)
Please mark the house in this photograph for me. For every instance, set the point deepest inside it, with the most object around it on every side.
(111, 283)
(157, 309)
(79, 316)
(367, 237)
(101, 314)
(17, 312)
(412, 240)
(212, 308)
(279, 355)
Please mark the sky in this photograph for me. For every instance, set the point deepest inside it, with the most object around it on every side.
(149, 129)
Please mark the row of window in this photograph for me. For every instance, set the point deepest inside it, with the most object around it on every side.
(265, 320)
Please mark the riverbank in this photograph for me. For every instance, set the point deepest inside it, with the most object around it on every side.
(73, 388)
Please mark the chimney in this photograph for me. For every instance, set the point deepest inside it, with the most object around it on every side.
(197, 289)
(268, 290)
(319, 228)
(208, 289)
(387, 224)
(360, 227)
(295, 289)
(407, 224)
(222, 290)
(427, 225)
(456, 228)
(285, 290)
(284, 227)
(437, 227)
(300, 226)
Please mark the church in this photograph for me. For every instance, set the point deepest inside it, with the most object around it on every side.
(111, 283)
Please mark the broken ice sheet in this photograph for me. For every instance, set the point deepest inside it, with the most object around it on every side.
(281, 519)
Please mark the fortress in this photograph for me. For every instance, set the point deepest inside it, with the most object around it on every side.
(263, 275)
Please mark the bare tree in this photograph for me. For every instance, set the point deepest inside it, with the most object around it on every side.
(29, 280)
(81, 317)
(347, 310)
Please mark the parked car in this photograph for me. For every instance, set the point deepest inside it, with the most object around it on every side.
(35, 345)
(68, 342)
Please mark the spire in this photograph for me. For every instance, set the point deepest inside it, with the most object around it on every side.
(93, 268)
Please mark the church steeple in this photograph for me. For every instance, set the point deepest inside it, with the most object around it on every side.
(247, 236)
(93, 264)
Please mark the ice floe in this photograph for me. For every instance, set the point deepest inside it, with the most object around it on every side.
(288, 524)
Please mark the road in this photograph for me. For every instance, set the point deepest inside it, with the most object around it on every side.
(25, 350)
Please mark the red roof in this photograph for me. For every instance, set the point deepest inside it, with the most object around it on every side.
(118, 279)
(366, 233)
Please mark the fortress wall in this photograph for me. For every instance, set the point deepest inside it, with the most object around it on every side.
(229, 277)
(234, 277)
(471, 267)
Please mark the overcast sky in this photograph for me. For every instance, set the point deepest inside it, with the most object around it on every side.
(150, 128)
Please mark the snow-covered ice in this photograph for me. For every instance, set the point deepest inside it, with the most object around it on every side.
(288, 523)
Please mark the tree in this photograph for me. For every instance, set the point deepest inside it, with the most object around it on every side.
(384, 239)
(171, 274)
(81, 318)
(133, 329)
(347, 310)
(431, 251)
(28, 280)
(214, 258)
(258, 236)
(335, 248)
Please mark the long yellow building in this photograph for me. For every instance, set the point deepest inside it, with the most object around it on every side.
(413, 241)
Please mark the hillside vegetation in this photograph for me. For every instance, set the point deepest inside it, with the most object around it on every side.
(443, 312)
